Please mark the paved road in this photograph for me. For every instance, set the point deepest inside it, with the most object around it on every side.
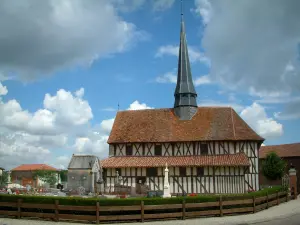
(291, 220)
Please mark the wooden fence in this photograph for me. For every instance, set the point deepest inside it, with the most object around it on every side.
(140, 212)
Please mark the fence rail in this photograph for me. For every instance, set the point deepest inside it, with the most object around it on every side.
(141, 212)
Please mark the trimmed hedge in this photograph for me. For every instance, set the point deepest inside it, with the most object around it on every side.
(134, 201)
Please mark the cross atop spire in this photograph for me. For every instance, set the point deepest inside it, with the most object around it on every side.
(181, 9)
(185, 105)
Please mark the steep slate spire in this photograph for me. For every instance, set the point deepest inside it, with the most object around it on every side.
(185, 105)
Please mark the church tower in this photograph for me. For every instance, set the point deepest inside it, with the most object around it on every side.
(185, 106)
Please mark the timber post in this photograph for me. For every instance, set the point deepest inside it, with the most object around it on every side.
(254, 207)
(221, 206)
(56, 210)
(97, 213)
(142, 211)
(267, 200)
(183, 209)
(19, 208)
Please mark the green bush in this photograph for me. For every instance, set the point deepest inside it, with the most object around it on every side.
(273, 166)
(134, 201)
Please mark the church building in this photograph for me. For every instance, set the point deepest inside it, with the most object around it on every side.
(207, 149)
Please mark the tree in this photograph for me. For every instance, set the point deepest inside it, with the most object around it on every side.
(46, 176)
(273, 167)
(63, 175)
(4, 179)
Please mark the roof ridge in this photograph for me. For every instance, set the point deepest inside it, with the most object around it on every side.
(295, 143)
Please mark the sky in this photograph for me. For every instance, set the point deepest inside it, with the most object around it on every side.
(67, 66)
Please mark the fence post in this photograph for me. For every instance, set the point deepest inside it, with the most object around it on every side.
(221, 205)
(183, 209)
(254, 206)
(97, 212)
(19, 208)
(277, 197)
(287, 196)
(142, 211)
(56, 211)
(267, 200)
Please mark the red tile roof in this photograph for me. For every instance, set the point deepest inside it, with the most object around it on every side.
(162, 125)
(239, 159)
(29, 167)
(285, 150)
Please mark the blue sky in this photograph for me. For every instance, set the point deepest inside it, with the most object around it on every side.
(130, 59)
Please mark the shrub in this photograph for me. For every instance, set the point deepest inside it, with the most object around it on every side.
(273, 166)
(134, 201)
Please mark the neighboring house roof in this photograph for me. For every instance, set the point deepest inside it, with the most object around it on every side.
(30, 167)
(162, 125)
(285, 150)
(239, 159)
(82, 161)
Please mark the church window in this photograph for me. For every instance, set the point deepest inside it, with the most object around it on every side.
(200, 171)
(204, 149)
(151, 172)
(128, 149)
(182, 171)
(157, 150)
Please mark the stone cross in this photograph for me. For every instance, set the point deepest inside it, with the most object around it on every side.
(167, 193)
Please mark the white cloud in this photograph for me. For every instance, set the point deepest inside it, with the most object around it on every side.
(109, 109)
(61, 104)
(128, 5)
(79, 93)
(106, 125)
(95, 142)
(64, 125)
(62, 162)
(256, 116)
(238, 108)
(291, 112)
(168, 77)
(250, 44)
(138, 106)
(37, 133)
(172, 50)
(162, 5)
(67, 33)
(171, 77)
(202, 80)
(204, 8)
(60, 113)
(3, 90)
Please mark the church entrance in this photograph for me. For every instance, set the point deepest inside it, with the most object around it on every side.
(140, 181)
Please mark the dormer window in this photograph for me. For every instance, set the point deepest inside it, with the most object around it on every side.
(157, 150)
(128, 149)
(204, 149)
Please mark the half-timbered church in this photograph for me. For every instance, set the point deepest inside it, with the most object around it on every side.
(207, 149)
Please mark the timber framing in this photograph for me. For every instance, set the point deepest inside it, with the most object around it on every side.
(215, 179)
